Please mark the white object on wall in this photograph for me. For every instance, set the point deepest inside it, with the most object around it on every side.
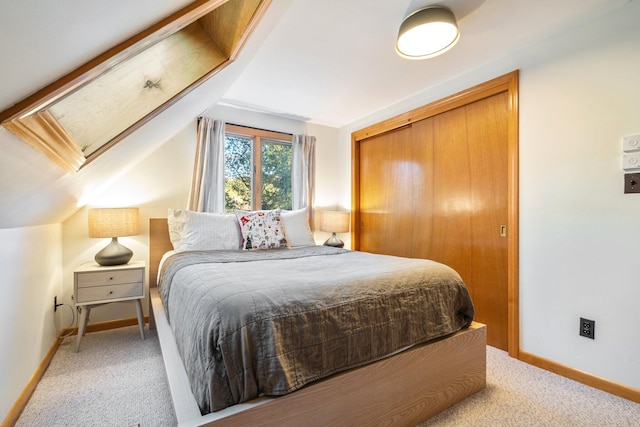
(631, 146)
(631, 161)
(631, 143)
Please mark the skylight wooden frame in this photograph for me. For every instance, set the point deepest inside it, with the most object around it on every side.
(215, 30)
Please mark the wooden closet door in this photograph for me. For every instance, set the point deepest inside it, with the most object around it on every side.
(397, 174)
(487, 122)
(470, 204)
(438, 190)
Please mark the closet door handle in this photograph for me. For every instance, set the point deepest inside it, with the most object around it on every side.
(503, 231)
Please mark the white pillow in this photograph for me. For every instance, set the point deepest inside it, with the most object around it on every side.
(203, 231)
(176, 224)
(296, 228)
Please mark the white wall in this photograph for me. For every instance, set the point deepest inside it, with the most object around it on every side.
(578, 228)
(30, 277)
(579, 95)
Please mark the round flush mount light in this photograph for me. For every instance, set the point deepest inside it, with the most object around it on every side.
(427, 33)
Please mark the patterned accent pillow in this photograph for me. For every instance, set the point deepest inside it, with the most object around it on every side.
(261, 229)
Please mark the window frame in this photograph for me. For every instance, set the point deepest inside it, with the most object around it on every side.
(256, 164)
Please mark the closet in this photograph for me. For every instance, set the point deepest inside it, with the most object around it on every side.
(440, 182)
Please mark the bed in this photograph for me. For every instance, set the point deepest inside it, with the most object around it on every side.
(403, 385)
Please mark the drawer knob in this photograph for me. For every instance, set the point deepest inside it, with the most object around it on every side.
(110, 278)
(110, 292)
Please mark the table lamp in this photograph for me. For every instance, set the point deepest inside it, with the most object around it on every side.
(334, 222)
(114, 223)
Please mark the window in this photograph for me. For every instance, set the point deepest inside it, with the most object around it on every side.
(257, 169)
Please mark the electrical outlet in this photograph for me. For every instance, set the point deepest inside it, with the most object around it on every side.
(588, 328)
(631, 183)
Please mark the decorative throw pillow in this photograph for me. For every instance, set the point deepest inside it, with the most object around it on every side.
(296, 228)
(261, 229)
(203, 231)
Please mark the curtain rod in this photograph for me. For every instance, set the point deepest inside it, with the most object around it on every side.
(248, 127)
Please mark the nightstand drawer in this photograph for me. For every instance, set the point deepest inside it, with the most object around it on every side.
(109, 292)
(113, 277)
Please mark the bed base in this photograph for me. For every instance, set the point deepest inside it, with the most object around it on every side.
(401, 390)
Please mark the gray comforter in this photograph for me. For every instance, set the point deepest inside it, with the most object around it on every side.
(268, 322)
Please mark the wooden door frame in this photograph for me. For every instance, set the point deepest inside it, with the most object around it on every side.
(507, 83)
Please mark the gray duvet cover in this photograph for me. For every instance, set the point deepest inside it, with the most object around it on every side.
(258, 323)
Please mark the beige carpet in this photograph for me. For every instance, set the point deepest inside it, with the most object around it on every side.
(119, 380)
(116, 379)
(519, 394)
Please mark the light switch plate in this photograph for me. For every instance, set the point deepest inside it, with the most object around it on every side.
(631, 161)
(631, 143)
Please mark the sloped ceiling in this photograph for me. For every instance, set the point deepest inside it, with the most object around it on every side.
(47, 41)
(329, 61)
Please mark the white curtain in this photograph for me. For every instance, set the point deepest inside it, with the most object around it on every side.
(303, 172)
(207, 184)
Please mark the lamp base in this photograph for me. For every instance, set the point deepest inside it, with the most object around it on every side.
(114, 254)
(334, 241)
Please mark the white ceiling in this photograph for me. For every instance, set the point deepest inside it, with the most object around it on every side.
(330, 61)
(334, 61)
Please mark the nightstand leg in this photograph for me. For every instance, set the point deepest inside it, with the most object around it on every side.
(82, 327)
(140, 317)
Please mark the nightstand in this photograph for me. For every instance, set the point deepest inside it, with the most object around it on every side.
(95, 285)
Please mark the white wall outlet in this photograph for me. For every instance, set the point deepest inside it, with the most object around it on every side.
(631, 161)
(631, 143)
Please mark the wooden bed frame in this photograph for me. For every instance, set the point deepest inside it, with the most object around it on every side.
(401, 390)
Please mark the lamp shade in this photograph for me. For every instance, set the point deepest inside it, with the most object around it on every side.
(427, 33)
(334, 221)
(114, 222)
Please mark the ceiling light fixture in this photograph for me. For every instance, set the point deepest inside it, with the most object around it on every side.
(427, 33)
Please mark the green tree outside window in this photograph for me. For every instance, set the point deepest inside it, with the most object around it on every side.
(245, 188)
